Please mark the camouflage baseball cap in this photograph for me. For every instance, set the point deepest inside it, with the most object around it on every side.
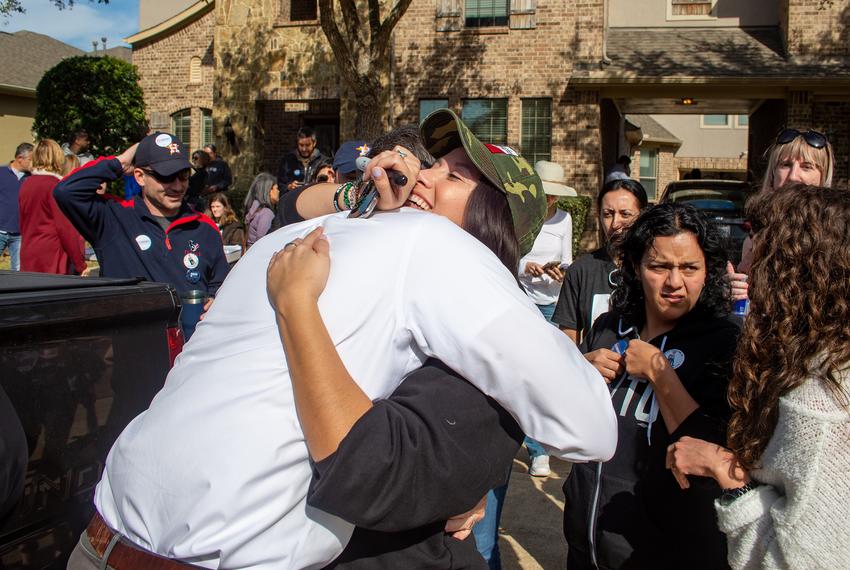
(443, 131)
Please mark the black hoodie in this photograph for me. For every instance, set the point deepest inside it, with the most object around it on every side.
(640, 516)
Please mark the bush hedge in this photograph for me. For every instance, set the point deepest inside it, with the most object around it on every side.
(578, 207)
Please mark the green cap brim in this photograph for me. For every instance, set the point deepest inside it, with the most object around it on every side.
(443, 131)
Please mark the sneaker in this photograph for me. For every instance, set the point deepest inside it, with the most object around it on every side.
(540, 466)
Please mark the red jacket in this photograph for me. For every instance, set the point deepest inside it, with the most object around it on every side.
(49, 243)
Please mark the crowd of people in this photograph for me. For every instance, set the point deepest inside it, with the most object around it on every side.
(347, 402)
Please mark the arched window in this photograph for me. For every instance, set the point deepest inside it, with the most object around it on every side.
(195, 72)
(206, 127)
(181, 125)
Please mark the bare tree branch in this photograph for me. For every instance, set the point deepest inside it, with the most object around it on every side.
(374, 21)
(381, 43)
(341, 50)
(351, 21)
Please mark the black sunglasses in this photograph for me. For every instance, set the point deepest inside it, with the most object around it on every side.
(183, 175)
(813, 138)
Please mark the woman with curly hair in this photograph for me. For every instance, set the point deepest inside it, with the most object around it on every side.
(786, 497)
(666, 351)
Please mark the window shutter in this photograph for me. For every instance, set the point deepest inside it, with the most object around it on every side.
(523, 14)
(449, 14)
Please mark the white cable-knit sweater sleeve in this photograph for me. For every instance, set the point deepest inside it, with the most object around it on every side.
(800, 515)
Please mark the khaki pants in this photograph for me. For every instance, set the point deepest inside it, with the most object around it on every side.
(84, 557)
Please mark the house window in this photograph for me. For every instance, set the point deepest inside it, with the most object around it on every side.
(181, 125)
(484, 13)
(206, 127)
(536, 139)
(487, 118)
(428, 106)
(696, 9)
(302, 10)
(195, 75)
(743, 121)
(649, 170)
(715, 121)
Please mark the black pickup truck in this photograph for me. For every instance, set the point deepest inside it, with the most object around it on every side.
(79, 359)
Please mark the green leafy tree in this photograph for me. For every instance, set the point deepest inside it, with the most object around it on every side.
(100, 95)
(10, 6)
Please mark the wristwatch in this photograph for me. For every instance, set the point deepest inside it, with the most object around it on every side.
(730, 495)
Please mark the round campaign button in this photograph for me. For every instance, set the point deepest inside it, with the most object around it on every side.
(190, 261)
(675, 356)
(163, 140)
(193, 276)
(620, 346)
(297, 173)
(144, 242)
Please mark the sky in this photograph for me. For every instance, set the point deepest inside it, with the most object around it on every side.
(79, 26)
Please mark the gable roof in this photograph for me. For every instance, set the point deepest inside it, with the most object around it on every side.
(187, 16)
(652, 130)
(25, 56)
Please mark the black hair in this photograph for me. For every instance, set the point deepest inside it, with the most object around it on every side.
(306, 133)
(664, 220)
(23, 149)
(79, 134)
(624, 159)
(407, 136)
(627, 184)
(488, 219)
(212, 147)
(325, 162)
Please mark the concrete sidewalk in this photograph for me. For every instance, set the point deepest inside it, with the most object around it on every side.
(531, 534)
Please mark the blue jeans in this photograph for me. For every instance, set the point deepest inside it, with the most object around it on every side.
(534, 448)
(486, 532)
(547, 311)
(13, 242)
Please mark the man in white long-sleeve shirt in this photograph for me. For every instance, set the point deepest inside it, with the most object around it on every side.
(216, 472)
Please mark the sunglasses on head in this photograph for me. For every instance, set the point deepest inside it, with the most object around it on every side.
(183, 175)
(813, 138)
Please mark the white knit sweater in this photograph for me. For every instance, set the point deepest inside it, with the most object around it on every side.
(799, 518)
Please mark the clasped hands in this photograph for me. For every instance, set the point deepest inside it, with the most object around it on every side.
(640, 359)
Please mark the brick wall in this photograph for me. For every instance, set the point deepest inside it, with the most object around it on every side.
(163, 66)
(712, 164)
(816, 27)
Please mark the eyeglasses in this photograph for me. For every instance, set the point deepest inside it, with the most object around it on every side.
(813, 138)
(183, 175)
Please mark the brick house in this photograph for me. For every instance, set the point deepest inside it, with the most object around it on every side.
(555, 78)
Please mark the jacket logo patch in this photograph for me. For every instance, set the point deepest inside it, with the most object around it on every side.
(676, 357)
(144, 242)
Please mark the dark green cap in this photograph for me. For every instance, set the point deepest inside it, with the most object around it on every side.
(442, 132)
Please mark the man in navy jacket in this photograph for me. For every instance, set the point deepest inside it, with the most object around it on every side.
(155, 235)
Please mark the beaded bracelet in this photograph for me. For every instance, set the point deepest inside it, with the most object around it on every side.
(339, 190)
(349, 195)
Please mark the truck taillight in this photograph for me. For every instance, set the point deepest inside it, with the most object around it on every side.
(175, 343)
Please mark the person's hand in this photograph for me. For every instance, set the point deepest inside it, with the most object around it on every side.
(607, 362)
(293, 185)
(738, 283)
(126, 158)
(86, 272)
(460, 526)
(533, 269)
(400, 160)
(299, 272)
(644, 360)
(207, 304)
(690, 456)
(555, 272)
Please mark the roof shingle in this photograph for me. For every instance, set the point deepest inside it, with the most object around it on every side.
(25, 56)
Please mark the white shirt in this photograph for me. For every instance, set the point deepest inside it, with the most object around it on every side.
(216, 470)
(553, 243)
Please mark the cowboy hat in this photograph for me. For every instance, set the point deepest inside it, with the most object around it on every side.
(554, 179)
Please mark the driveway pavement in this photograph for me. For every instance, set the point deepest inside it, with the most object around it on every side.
(531, 534)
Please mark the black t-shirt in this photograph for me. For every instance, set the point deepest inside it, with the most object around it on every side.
(640, 508)
(430, 451)
(584, 295)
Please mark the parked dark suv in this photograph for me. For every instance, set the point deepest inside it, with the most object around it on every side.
(722, 201)
(79, 359)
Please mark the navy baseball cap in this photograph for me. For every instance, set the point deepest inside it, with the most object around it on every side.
(163, 153)
(347, 155)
